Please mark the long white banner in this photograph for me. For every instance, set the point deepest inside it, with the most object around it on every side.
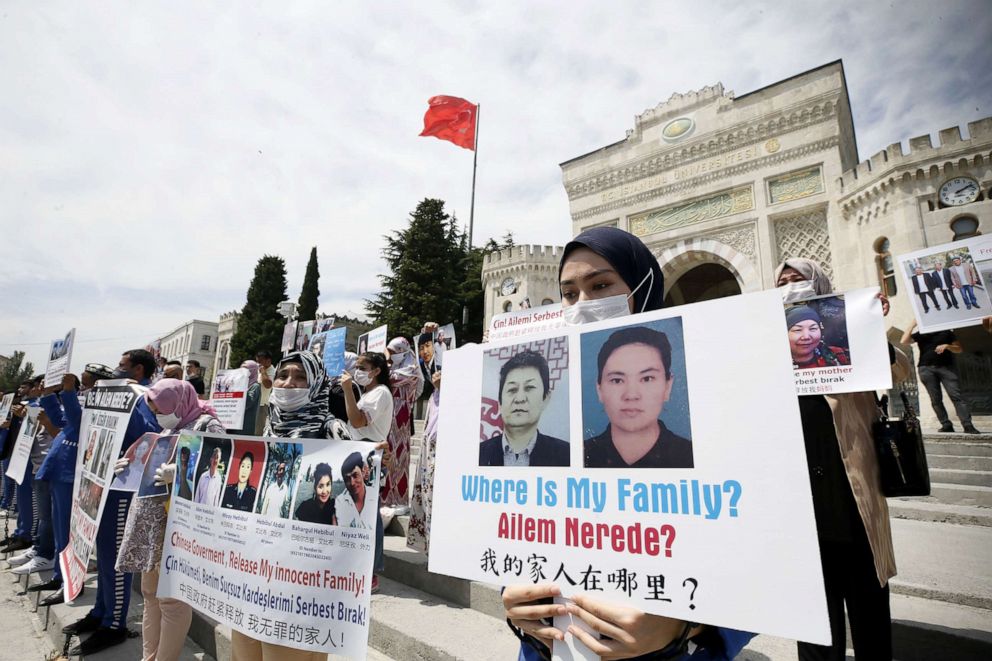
(275, 538)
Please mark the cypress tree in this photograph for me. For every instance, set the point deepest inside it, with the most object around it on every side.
(306, 308)
(260, 325)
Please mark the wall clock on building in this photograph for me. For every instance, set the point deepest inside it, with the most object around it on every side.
(507, 287)
(958, 191)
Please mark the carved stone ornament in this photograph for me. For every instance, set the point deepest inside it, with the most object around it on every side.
(709, 208)
(805, 235)
(795, 186)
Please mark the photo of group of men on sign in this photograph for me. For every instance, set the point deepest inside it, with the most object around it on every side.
(275, 480)
(635, 405)
(947, 282)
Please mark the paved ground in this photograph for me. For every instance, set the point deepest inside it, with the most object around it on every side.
(23, 637)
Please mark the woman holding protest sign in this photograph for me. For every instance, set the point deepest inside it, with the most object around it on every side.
(297, 409)
(852, 517)
(252, 398)
(165, 622)
(606, 273)
(370, 418)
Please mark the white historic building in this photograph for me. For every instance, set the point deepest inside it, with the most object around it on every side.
(196, 340)
(722, 188)
(226, 326)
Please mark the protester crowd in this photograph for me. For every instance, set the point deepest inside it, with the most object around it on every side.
(604, 273)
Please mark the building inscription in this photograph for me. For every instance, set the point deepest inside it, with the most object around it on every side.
(716, 206)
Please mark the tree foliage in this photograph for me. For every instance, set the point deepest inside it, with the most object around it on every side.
(306, 308)
(13, 373)
(260, 325)
(432, 275)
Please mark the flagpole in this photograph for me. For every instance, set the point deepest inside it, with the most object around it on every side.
(475, 158)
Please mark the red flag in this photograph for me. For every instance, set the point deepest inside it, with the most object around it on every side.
(452, 119)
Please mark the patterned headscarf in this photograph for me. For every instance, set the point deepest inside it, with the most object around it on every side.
(405, 363)
(252, 368)
(312, 420)
(810, 270)
(179, 397)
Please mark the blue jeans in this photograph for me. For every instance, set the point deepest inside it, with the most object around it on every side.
(44, 540)
(968, 294)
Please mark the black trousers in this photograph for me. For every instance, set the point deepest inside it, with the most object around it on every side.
(949, 298)
(849, 577)
(923, 299)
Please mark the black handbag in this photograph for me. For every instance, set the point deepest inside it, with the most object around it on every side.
(902, 459)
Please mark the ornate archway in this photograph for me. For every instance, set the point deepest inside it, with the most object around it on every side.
(711, 269)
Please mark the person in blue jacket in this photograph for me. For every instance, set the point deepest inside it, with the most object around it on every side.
(605, 273)
(59, 467)
(11, 427)
(108, 617)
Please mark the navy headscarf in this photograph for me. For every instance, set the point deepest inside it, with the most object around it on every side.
(629, 257)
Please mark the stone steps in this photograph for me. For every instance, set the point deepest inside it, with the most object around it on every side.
(957, 494)
(931, 509)
(959, 462)
(966, 478)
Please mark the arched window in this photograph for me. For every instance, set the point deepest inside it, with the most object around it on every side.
(547, 301)
(507, 306)
(964, 227)
(884, 265)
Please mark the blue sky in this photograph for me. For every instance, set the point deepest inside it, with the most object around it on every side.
(150, 156)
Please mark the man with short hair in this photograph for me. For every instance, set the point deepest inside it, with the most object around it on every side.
(350, 503)
(185, 490)
(944, 281)
(108, 617)
(923, 286)
(211, 482)
(194, 377)
(965, 278)
(634, 382)
(524, 392)
(266, 372)
(276, 493)
(174, 370)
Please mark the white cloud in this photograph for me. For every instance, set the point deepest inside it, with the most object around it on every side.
(165, 149)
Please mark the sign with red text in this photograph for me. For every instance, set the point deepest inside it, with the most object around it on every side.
(525, 322)
(275, 538)
(653, 460)
(228, 395)
(838, 343)
(107, 411)
(949, 286)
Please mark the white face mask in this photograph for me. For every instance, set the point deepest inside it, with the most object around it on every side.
(289, 399)
(167, 420)
(612, 307)
(362, 378)
(797, 291)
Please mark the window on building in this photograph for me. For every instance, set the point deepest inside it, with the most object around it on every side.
(964, 227)
(885, 266)
(205, 343)
(547, 301)
(507, 306)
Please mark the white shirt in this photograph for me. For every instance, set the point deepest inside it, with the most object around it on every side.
(377, 404)
(347, 513)
(270, 371)
(962, 274)
(940, 278)
(274, 497)
(922, 282)
(209, 489)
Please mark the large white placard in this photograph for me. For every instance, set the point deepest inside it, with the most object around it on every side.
(949, 285)
(275, 538)
(59, 357)
(21, 454)
(838, 344)
(108, 408)
(5, 405)
(711, 522)
(230, 388)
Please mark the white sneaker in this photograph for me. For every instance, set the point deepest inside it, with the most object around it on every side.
(37, 564)
(23, 557)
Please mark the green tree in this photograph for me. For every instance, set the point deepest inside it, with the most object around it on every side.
(426, 272)
(306, 308)
(433, 275)
(12, 374)
(260, 325)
